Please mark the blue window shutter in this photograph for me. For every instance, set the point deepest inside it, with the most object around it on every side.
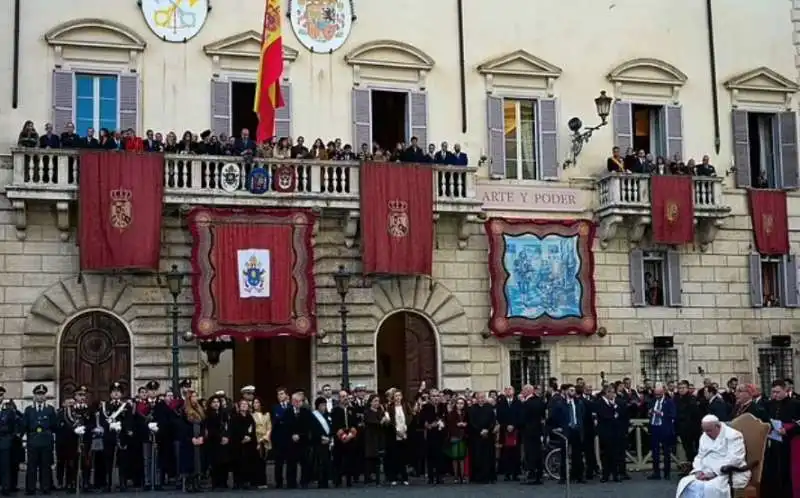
(741, 150)
(548, 139)
(220, 107)
(623, 125)
(63, 99)
(419, 117)
(672, 286)
(787, 127)
(674, 129)
(362, 118)
(84, 103)
(497, 137)
(283, 115)
(756, 284)
(638, 297)
(108, 102)
(129, 102)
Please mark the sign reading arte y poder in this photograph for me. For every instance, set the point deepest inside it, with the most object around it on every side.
(496, 197)
(175, 21)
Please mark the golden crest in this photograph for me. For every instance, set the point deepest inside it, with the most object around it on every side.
(121, 215)
(672, 211)
(205, 326)
(302, 323)
(398, 222)
(768, 222)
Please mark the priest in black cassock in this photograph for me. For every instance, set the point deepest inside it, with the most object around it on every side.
(482, 424)
(779, 468)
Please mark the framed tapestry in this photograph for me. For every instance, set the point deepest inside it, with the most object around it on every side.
(541, 277)
(253, 272)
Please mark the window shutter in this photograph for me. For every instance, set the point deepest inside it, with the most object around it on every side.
(419, 118)
(787, 130)
(283, 115)
(756, 290)
(129, 101)
(63, 99)
(672, 286)
(674, 126)
(637, 278)
(220, 107)
(362, 119)
(548, 139)
(788, 276)
(497, 137)
(623, 125)
(741, 150)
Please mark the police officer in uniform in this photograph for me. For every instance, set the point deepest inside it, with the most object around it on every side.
(39, 422)
(9, 428)
(117, 420)
(73, 416)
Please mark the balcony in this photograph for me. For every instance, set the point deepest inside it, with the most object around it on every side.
(625, 199)
(52, 176)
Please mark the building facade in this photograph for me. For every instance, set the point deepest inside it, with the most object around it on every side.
(398, 74)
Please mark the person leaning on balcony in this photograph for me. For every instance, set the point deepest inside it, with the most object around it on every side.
(283, 149)
(28, 136)
(364, 154)
(640, 164)
(413, 154)
(49, 140)
(459, 158)
(70, 139)
(299, 150)
(615, 163)
(704, 168)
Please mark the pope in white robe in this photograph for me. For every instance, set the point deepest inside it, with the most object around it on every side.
(720, 445)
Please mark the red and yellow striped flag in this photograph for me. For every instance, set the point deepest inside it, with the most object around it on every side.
(268, 88)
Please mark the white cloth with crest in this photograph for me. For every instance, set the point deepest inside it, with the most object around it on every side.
(727, 449)
(254, 273)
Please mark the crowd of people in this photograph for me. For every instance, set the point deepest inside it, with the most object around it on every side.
(207, 143)
(645, 163)
(176, 439)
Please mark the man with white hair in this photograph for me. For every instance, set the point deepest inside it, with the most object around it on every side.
(720, 446)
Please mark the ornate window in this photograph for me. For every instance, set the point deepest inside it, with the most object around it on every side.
(660, 365)
(773, 364)
(530, 366)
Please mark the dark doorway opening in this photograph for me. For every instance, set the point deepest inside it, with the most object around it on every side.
(243, 96)
(406, 354)
(648, 129)
(762, 148)
(271, 363)
(389, 116)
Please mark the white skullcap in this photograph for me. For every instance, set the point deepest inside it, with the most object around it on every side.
(219, 393)
(710, 419)
(248, 390)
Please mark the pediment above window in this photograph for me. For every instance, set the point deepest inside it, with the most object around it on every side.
(762, 86)
(650, 78)
(519, 69)
(77, 38)
(389, 60)
(242, 52)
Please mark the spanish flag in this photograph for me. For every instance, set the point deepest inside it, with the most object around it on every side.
(268, 89)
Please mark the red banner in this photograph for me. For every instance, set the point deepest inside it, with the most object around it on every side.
(672, 209)
(120, 199)
(770, 221)
(397, 219)
(253, 272)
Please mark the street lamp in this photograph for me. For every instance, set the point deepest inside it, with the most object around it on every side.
(342, 278)
(174, 284)
(579, 138)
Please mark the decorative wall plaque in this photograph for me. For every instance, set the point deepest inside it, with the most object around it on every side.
(176, 21)
(321, 26)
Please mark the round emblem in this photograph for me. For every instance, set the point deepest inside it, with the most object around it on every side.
(672, 211)
(321, 26)
(768, 221)
(300, 219)
(202, 218)
(205, 326)
(302, 323)
(231, 177)
(284, 179)
(175, 21)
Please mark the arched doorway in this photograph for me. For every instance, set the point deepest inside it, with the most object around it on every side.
(406, 351)
(272, 362)
(95, 350)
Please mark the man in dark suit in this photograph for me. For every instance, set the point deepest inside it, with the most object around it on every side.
(49, 140)
(9, 428)
(280, 435)
(717, 406)
(320, 437)
(39, 421)
(413, 154)
(244, 143)
(297, 428)
(344, 423)
(568, 415)
(611, 432)
(459, 158)
(444, 156)
(661, 411)
(532, 418)
(509, 410)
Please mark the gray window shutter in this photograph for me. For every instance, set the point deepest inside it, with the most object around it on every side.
(788, 276)
(674, 127)
(362, 119)
(787, 129)
(497, 137)
(419, 117)
(756, 290)
(220, 107)
(637, 278)
(548, 139)
(283, 115)
(672, 286)
(63, 99)
(741, 150)
(129, 102)
(623, 125)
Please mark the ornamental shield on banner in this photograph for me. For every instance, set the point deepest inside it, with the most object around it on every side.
(398, 223)
(121, 209)
(254, 275)
(231, 177)
(284, 180)
(259, 180)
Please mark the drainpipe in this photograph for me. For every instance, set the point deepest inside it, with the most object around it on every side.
(15, 71)
(461, 64)
(712, 63)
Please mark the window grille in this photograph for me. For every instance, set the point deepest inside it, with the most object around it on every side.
(773, 364)
(660, 365)
(530, 367)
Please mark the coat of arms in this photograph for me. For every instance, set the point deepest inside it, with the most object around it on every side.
(672, 211)
(398, 223)
(253, 274)
(121, 209)
(259, 180)
(175, 21)
(769, 222)
(322, 26)
(231, 177)
(284, 179)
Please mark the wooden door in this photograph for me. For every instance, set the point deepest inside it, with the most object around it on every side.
(95, 351)
(391, 353)
(272, 362)
(420, 348)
